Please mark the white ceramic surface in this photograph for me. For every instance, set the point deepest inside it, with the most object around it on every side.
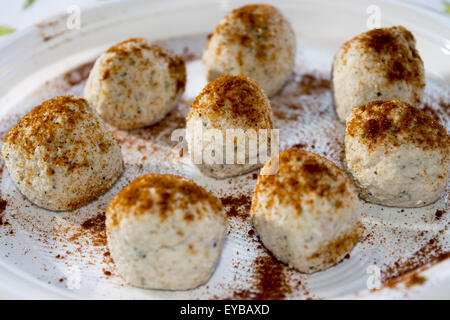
(27, 62)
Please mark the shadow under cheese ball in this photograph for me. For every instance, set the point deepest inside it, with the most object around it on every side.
(229, 103)
(306, 212)
(397, 154)
(61, 155)
(165, 232)
(135, 84)
(255, 41)
(378, 64)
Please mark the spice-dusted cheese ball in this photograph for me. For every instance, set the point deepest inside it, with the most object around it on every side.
(378, 64)
(135, 84)
(61, 155)
(165, 232)
(255, 41)
(397, 154)
(236, 109)
(306, 213)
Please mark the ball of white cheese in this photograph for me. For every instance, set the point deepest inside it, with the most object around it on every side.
(135, 84)
(306, 213)
(379, 64)
(255, 41)
(165, 232)
(397, 154)
(227, 127)
(61, 155)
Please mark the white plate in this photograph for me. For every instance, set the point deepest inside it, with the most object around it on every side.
(28, 265)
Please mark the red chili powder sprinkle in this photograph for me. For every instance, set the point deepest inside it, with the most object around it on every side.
(415, 279)
(97, 228)
(269, 281)
(237, 206)
(3, 204)
(78, 74)
(430, 254)
(439, 213)
(310, 84)
(96, 223)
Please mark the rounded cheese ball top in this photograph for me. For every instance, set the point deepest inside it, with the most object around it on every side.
(135, 84)
(232, 102)
(397, 154)
(228, 102)
(378, 64)
(255, 41)
(165, 232)
(307, 212)
(61, 155)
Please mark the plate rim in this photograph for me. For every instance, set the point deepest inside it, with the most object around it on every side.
(51, 292)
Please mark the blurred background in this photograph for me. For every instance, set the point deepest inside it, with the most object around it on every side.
(18, 14)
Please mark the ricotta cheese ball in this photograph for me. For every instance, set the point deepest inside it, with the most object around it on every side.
(229, 103)
(306, 213)
(135, 84)
(255, 41)
(165, 232)
(397, 154)
(378, 64)
(61, 155)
